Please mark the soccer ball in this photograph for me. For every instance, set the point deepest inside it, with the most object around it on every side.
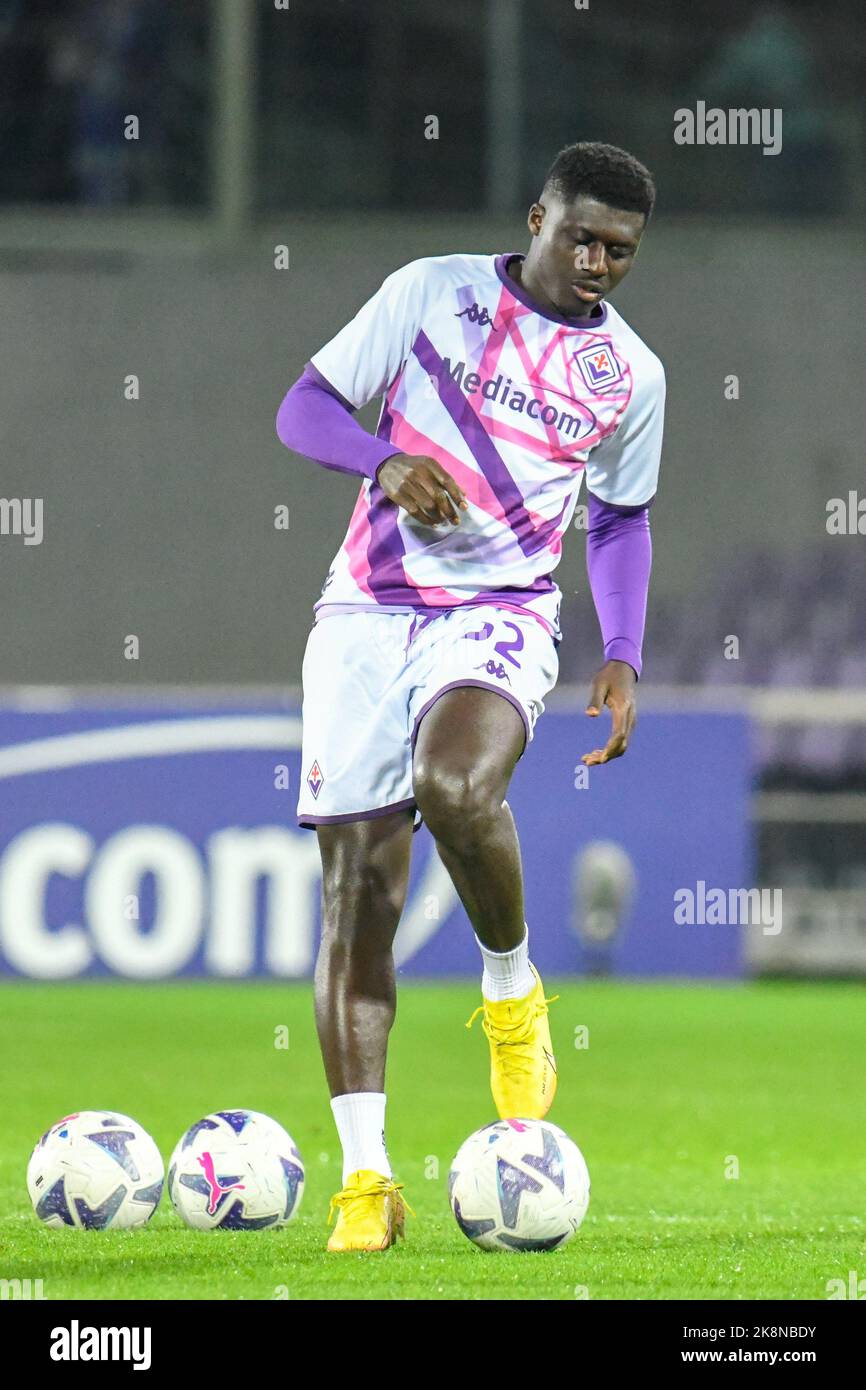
(519, 1185)
(95, 1169)
(236, 1169)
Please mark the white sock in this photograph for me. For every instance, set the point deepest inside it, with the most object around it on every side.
(360, 1120)
(506, 973)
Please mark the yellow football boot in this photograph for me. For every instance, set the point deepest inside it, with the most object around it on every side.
(522, 1064)
(372, 1213)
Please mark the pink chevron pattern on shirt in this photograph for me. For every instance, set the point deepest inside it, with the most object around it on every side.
(516, 404)
(355, 544)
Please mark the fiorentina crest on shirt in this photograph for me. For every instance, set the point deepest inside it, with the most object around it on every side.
(598, 367)
(315, 779)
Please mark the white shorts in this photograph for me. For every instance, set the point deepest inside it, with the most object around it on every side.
(371, 676)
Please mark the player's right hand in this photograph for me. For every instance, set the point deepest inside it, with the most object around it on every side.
(422, 487)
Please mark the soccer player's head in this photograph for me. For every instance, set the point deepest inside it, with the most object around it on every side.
(587, 224)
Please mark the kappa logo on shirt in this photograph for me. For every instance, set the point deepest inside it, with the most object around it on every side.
(598, 367)
(476, 315)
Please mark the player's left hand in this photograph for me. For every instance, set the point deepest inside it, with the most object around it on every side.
(614, 686)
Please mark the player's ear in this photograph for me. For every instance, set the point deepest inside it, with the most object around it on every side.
(535, 218)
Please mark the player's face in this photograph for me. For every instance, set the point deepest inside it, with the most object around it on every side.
(582, 250)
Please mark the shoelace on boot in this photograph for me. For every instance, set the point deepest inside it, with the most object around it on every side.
(518, 1031)
(348, 1196)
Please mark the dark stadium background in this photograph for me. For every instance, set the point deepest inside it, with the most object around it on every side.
(261, 127)
(158, 905)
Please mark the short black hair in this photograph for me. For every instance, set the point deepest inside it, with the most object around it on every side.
(604, 172)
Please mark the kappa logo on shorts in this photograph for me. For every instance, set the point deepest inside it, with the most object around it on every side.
(493, 669)
(598, 367)
(315, 780)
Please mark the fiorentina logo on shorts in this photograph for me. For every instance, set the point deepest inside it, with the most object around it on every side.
(315, 780)
(598, 367)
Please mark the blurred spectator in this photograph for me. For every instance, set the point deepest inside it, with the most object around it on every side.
(71, 71)
(338, 120)
(771, 64)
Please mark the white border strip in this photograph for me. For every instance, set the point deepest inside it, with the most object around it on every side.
(156, 739)
(767, 704)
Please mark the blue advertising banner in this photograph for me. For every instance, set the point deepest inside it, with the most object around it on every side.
(157, 841)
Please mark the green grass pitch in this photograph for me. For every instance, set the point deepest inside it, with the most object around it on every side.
(677, 1085)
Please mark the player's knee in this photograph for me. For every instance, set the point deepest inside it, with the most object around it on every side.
(457, 804)
(352, 902)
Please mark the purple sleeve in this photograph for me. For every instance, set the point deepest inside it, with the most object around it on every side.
(315, 420)
(618, 562)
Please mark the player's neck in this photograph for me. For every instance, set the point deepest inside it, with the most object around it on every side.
(522, 273)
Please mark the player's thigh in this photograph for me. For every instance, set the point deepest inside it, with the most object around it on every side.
(365, 871)
(466, 748)
(487, 674)
(355, 757)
